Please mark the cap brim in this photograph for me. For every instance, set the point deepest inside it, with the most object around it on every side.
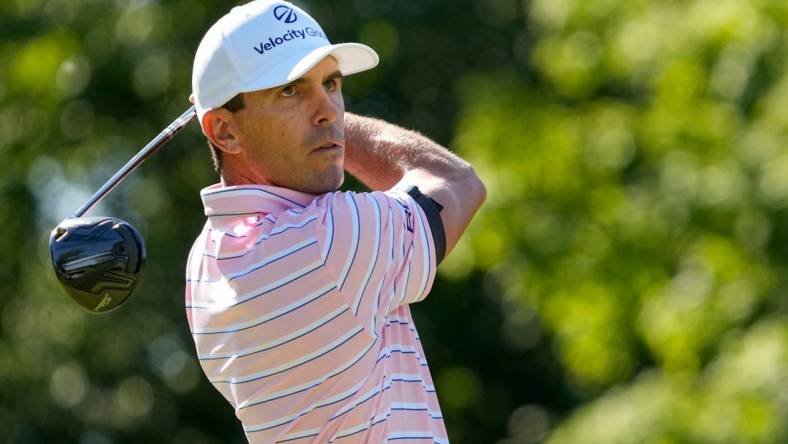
(351, 58)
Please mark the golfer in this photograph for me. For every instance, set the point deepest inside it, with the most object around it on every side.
(297, 294)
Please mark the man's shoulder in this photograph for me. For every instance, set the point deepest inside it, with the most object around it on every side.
(241, 259)
(337, 222)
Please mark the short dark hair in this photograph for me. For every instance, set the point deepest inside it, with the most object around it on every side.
(233, 105)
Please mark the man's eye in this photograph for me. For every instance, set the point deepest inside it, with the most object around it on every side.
(331, 85)
(288, 91)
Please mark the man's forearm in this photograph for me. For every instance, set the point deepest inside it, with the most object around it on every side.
(378, 153)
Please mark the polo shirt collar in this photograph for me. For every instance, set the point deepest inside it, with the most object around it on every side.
(240, 200)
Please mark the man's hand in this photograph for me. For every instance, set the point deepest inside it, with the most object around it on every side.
(384, 156)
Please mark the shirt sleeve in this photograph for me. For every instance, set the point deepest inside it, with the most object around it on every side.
(379, 247)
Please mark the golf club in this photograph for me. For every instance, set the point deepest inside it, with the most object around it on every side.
(99, 260)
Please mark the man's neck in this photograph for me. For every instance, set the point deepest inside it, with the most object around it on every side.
(229, 179)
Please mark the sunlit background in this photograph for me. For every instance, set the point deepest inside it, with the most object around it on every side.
(626, 281)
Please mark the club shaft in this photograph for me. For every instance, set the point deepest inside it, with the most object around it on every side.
(160, 140)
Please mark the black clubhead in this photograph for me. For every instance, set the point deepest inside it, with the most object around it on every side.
(98, 260)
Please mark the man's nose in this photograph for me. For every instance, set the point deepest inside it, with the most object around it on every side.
(327, 109)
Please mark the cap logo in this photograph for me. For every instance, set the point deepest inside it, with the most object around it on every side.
(287, 37)
(285, 14)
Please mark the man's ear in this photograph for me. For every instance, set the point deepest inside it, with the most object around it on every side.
(220, 130)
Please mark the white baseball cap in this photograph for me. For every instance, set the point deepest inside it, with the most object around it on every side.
(263, 44)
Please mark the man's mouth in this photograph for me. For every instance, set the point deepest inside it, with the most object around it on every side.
(328, 146)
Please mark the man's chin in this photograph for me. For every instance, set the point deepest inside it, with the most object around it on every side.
(326, 185)
(337, 174)
(337, 184)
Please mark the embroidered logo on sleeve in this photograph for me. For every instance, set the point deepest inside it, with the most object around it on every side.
(408, 219)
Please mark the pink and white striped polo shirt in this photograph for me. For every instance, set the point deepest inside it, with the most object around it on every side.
(298, 305)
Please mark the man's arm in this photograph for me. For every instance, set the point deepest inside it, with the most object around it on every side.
(382, 155)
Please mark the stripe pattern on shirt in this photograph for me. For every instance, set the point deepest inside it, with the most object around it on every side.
(298, 306)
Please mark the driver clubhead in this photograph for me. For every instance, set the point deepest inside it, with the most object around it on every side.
(98, 260)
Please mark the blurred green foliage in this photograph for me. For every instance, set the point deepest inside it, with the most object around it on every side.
(624, 283)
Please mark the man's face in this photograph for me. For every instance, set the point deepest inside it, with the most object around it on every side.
(293, 135)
